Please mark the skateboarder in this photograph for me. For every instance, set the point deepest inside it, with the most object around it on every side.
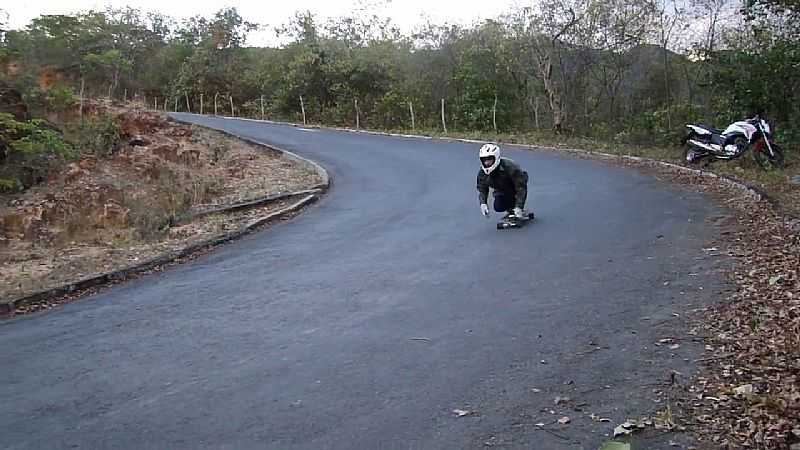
(507, 178)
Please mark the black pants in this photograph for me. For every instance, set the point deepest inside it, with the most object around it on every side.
(504, 202)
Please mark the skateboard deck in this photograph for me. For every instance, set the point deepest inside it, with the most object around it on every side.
(515, 222)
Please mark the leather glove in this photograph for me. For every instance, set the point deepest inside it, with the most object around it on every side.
(485, 209)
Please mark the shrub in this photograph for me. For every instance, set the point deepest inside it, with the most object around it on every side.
(60, 98)
(98, 136)
(28, 150)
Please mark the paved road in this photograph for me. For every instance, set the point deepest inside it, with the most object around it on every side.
(368, 319)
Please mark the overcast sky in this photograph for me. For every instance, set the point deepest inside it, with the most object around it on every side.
(405, 13)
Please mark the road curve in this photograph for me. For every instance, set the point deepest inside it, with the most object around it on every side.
(364, 322)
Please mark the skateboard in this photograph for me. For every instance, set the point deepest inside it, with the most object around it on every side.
(515, 222)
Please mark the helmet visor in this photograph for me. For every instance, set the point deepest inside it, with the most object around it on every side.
(487, 161)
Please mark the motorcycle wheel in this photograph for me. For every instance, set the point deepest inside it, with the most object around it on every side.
(692, 156)
(767, 161)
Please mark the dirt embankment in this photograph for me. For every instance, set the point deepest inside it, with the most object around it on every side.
(105, 213)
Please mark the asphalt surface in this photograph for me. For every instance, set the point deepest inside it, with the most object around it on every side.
(367, 320)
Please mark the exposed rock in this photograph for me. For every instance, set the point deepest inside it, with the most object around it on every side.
(115, 215)
(138, 141)
(25, 224)
(73, 172)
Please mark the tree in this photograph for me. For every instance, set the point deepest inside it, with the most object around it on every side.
(669, 15)
(215, 62)
(613, 29)
(3, 23)
(108, 65)
(606, 68)
(3, 48)
(546, 33)
(712, 9)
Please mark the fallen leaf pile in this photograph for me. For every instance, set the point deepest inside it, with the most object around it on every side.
(748, 392)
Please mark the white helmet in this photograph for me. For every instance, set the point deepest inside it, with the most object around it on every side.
(490, 157)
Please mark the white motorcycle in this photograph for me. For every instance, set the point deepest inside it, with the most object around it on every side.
(707, 143)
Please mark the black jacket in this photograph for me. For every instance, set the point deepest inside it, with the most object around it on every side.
(508, 178)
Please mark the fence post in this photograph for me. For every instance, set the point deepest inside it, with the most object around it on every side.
(262, 107)
(176, 105)
(233, 113)
(201, 104)
(411, 109)
(188, 107)
(303, 109)
(444, 124)
(358, 119)
(494, 114)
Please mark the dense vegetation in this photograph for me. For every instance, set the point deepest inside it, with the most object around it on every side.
(628, 71)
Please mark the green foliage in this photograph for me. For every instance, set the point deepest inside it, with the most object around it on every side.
(9, 185)
(652, 127)
(107, 65)
(99, 136)
(28, 150)
(42, 141)
(31, 137)
(60, 98)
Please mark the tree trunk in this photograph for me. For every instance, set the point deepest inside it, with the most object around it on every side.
(494, 113)
(667, 93)
(553, 94)
(116, 79)
(303, 109)
(586, 111)
(358, 119)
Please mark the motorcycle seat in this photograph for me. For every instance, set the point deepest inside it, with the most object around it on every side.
(710, 128)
